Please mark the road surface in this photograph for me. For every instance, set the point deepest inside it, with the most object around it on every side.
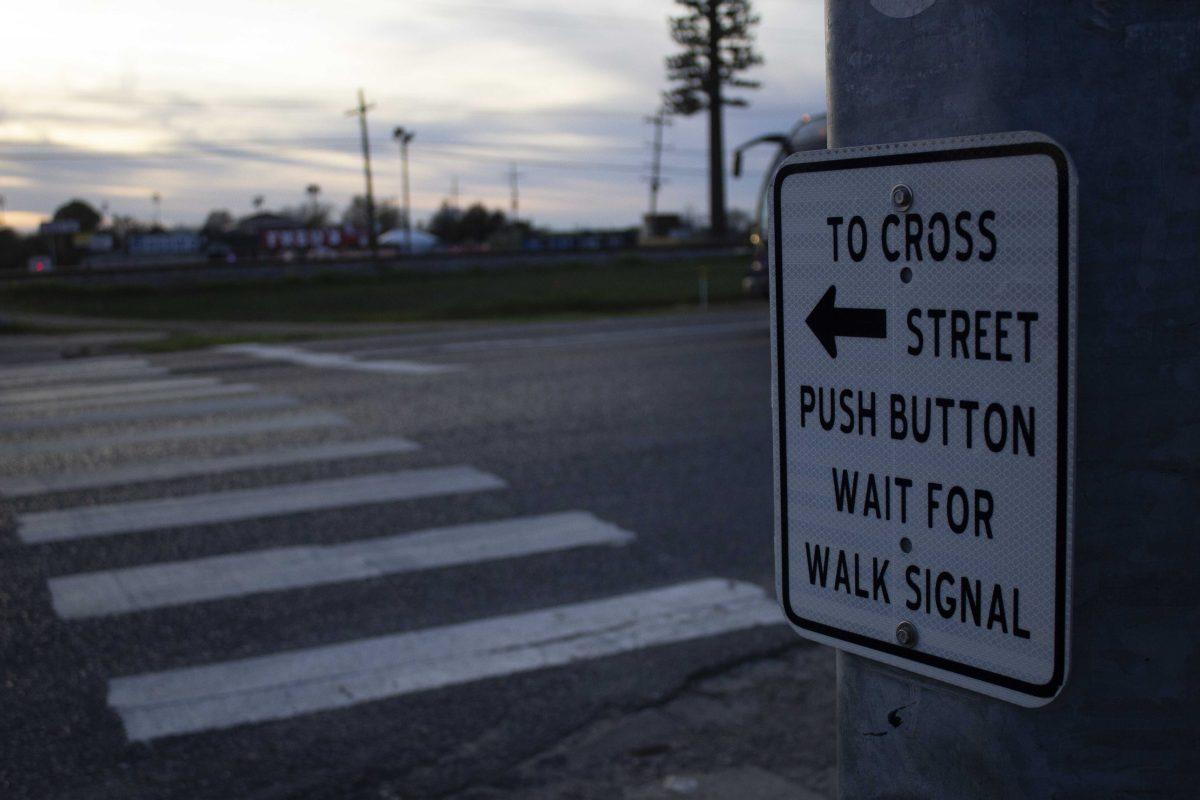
(388, 566)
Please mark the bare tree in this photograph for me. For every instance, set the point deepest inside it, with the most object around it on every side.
(717, 41)
(387, 214)
(316, 213)
(218, 221)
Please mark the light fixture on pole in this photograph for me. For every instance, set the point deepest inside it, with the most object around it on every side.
(403, 137)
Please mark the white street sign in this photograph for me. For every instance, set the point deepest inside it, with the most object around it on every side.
(923, 331)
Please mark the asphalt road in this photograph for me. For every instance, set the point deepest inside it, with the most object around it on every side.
(469, 543)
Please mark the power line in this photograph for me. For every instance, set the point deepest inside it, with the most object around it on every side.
(443, 152)
(301, 141)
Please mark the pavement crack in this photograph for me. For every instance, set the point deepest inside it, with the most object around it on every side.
(688, 683)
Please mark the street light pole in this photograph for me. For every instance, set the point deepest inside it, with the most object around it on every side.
(403, 137)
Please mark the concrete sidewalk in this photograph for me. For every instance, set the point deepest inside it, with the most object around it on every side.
(762, 730)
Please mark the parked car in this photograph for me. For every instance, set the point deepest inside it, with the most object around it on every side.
(807, 134)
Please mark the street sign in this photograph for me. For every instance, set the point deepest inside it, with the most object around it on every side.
(923, 324)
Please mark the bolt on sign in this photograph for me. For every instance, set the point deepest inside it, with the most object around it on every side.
(923, 332)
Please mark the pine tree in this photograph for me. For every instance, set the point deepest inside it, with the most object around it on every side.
(717, 43)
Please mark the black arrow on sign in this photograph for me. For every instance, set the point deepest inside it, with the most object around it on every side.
(828, 322)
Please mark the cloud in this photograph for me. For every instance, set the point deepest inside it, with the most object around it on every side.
(211, 106)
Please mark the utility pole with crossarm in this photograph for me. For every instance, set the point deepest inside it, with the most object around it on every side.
(360, 111)
(658, 120)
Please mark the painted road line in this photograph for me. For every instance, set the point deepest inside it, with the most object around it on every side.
(98, 376)
(297, 682)
(86, 390)
(25, 485)
(77, 367)
(309, 358)
(219, 390)
(202, 430)
(145, 413)
(242, 504)
(121, 591)
(563, 340)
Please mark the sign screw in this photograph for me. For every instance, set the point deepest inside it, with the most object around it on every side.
(902, 197)
(906, 634)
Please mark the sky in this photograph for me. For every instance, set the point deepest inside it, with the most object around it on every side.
(209, 104)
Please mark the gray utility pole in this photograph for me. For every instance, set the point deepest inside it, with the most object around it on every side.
(1116, 85)
(360, 111)
(514, 193)
(403, 137)
(658, 120)
(454, 191)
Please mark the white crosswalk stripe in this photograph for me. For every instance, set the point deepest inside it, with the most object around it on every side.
(41, 380)
(25, 485)
(74, 391)
(147, 413)
(297, 682)
(308, 358)
(159, 395)
(77, 369)
(205, 430)
(121, 591)
(243, 504)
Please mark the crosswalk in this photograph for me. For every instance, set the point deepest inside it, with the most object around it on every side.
(156, 392)
(217, 577)
(204, 430)
(119, 408)
(308, 358)
(158, 470)
(318, 679)
(236, 505)
(39, 420)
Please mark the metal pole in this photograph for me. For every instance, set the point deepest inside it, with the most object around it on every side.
(407, 198)
(403, 137)
(658, 121)
(515, 196)
(1116, 85)
(360, 111)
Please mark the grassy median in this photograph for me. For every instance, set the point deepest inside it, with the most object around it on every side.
(569, 289)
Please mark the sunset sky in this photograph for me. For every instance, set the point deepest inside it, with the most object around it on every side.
(212, 103)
